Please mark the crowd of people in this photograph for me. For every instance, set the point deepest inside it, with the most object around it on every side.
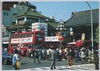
(70, 54)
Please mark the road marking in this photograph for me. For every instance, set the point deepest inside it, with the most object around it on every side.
(65, 67)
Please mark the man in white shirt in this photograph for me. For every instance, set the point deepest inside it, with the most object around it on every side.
(48, 53)
(83, 56)
(53, 59)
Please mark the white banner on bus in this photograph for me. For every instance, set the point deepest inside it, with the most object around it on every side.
(52, 39)
(22, 40)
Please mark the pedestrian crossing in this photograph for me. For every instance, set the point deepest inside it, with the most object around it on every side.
(65, 67)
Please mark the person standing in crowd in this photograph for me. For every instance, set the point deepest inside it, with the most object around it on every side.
(43, 55)
(53, 59)
(66, 55)
(19, 59)
(86, 55)
(73, 56)
(14, 50)
(63, 53)
(57, 50)
(15, 59)
(48, 53)
(5, 49)
(32, 54)
(60, 54)
(39, 53)
(19, 50)
(83, 48)
(76, 55)
(89, 54)
(28, 52)
(36, 55)
(69, 57)
(96, 60)
(83, 56)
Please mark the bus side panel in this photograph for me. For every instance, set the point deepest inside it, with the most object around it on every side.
(34, 38)
(10, 49)
(24, 51)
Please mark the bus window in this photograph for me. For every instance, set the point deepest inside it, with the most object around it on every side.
(28, 35)
(39, 35)
(16, 45)
(25, 35)
(18, 35)
(13, 45)
(32, 34)
(31, 45)
(15, 36)
(12, 36)
(26, 45)
(21, 35)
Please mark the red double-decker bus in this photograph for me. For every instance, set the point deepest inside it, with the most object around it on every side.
(25, 40)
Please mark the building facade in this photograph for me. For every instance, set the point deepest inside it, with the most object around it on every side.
(81, 23)
(10, 9)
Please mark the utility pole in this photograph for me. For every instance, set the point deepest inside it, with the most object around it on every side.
(91, 26)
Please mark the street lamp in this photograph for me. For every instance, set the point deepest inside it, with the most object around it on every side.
(91, 25)
(61, 27)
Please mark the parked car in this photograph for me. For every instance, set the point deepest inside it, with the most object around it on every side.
(6, 58)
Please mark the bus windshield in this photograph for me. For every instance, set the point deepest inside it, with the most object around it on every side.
(39, 35)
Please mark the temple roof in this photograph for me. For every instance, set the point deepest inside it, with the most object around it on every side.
(52, 25)
(29, 12)
(83, 18)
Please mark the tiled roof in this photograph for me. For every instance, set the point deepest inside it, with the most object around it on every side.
(52, 25)
(29, 12)
(15, 27)
(83, 18)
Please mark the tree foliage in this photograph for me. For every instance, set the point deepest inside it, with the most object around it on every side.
(97, 35)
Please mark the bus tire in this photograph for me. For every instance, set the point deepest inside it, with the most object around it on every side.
(25, 53)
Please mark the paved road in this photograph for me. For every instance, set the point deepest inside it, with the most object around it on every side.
(28, 64)
(65, 67)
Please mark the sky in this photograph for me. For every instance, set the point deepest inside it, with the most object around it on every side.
(63, 9)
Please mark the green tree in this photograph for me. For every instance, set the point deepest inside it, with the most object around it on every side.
(97, 35)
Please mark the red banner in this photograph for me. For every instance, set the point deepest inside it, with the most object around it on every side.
(79, 43)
